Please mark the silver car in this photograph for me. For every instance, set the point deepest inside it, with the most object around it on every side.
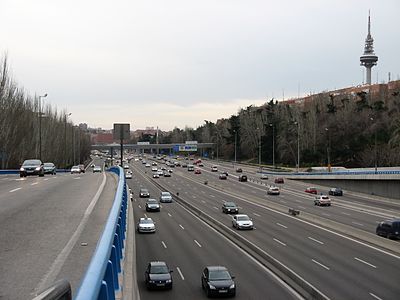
(146, 225)
(165, 197)
(242, 222)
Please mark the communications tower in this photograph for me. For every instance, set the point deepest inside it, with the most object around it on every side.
(369, 59)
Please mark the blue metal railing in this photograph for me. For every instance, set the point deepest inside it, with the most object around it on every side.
(336, 173)
(101, 278)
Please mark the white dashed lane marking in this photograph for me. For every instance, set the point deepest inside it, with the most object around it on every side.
(198, 244)
(279, 224)
(278, 241)
(180, 273)
(165, 246)
(315, 240)
(364, 262)
(320, 264)
(12, 191)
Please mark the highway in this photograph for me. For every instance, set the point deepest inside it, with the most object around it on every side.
(49, 228)
(339, 266)
(188, 245)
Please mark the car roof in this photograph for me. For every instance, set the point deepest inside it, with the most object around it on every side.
(151, 200)
(241, 215)
(165, 193)
(157, 263)
(145, 219)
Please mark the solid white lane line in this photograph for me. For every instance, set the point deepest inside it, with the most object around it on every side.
(169, 215)
(364, 262)
(279, 224)
(256, 214)
(12, 191)
(165, 246)
(315, 240)
(198, 244)
(356, 223)
(215, 207)
(322, 265)
(181, 226)
(35, 183)
(375, 296)
(180, 273)
(278, 241)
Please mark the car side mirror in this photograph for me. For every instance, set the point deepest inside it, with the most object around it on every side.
(171, 271)
(233, 277)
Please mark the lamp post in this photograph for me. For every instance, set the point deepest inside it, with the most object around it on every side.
(235, 131)
(65, 139)
(328, 149)
(375, 149)
(298, 145)
(273, 144)
(73, 145)
(40, 125)
(259, 147)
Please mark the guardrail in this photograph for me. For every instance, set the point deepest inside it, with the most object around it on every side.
(101, 280)
(335, 173)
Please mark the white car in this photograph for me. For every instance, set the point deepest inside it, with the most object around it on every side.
(322, 200)
(165, 197)
(214, 169)
(75, 170)
(128, 175)
(126, 167)
(273, 190)
(154, 169)
(242, 222)
(146, 225)
(264, 176)
(160, 172)
(155, 175)
(147, 165)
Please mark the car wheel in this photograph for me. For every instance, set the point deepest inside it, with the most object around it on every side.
(389, 236)
(20, 175)
(41, 175)
(208, 292)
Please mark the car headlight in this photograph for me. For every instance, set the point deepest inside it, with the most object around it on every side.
(22, 169)
(151, 281)
(168, 281)
(211, 286)
(232, 286)
(37, 169)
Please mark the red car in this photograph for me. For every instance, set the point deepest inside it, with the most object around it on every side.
(311, 190)
(279, 180)
(197, 171)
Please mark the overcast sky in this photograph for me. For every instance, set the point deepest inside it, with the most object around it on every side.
(173, 63)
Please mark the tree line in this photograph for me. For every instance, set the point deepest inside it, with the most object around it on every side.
(349, 129)
(28, 125)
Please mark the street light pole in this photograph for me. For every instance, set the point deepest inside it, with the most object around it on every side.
(40, 126)
(273, 144)
(235, 131)
(329, 149)
(65, 139)
(298, 145)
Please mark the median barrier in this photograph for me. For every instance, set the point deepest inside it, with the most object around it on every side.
(102, 277)
(304, 288)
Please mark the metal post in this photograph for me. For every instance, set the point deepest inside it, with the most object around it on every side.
(273, 144)
(121, 135)
(73, 145)
(40, 125)
(235, 143)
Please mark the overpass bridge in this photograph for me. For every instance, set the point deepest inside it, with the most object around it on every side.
(157, 148)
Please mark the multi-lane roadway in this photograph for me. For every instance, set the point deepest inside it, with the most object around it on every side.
(49, 227)
(333, 262)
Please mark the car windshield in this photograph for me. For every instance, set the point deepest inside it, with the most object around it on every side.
(146, 221)
(219, 275)
(230, 204)
(152, 201)
(243, 218)
(75, 167)
(48, 164)
(31, 162)
(159, 270)
(324, 197)
(165, 194)
(144, 191)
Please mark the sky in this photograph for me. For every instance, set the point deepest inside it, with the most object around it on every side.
(176, 63)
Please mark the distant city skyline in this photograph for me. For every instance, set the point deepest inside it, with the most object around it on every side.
(178, 63)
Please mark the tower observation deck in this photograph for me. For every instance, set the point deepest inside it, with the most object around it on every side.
(369, 59)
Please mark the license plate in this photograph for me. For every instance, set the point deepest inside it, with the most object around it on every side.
(160, 284)
(223, 291)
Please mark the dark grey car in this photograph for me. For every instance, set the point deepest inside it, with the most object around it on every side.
(49, 168)
(217, 281)
(31, 167)
(158, 275)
